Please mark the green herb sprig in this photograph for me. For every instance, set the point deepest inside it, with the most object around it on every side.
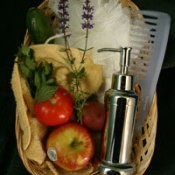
(39, 77)
(75, 77)
(77, 74)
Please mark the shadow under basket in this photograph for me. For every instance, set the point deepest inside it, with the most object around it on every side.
(144, 144)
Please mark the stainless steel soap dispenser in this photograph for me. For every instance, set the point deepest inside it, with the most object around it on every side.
(120, 107)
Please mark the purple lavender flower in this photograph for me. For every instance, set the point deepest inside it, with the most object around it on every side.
(63, 15)
(87, 15)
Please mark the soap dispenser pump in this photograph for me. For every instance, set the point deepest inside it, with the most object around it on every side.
(120, 108)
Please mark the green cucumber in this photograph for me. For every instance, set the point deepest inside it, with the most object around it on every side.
(38, 25)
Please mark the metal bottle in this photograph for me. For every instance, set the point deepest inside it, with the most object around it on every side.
(120, 107)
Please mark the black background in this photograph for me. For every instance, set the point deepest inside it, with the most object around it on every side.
(12, 30)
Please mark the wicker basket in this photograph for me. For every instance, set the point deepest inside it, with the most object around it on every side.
(143, 146)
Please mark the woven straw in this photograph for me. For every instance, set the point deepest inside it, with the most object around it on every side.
(144, 144)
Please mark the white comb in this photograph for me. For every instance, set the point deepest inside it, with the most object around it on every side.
(149, 36)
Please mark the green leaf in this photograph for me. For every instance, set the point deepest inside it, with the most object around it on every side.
(26, 72)
(45, 92)
(40, 68)
(50, 81)
(43, 77)
(30, 63)
(72, 75)
(37, 79)
(82, 70)
(82, 73)
(24, 51)
(68, 61)
(85, 49)
(47, 68)
(89, 48)
(81, 49)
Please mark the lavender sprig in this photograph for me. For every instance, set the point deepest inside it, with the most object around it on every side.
(87, 15)
(63, 18)
(87, 24)
(76, 73)
(63, 15)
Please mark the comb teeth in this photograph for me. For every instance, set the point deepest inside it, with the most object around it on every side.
(135, 30)
(146, 22)
(143, 36)
(140, 58)
(149, 36)
(147, 50)
(144, 29)
(150, 14)
(142, 55)
(139, 66)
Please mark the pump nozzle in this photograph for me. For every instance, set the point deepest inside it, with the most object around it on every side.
(121, 81)
(124, 59)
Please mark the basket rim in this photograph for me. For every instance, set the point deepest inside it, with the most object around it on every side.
(153, 117)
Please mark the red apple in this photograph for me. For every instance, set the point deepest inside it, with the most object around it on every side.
(94, 115)
(70, 146)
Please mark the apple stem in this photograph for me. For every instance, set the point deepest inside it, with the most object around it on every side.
(75, 143)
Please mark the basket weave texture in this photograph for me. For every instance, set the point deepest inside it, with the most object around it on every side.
(143, 146)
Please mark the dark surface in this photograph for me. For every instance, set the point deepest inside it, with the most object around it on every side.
(12, 30)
